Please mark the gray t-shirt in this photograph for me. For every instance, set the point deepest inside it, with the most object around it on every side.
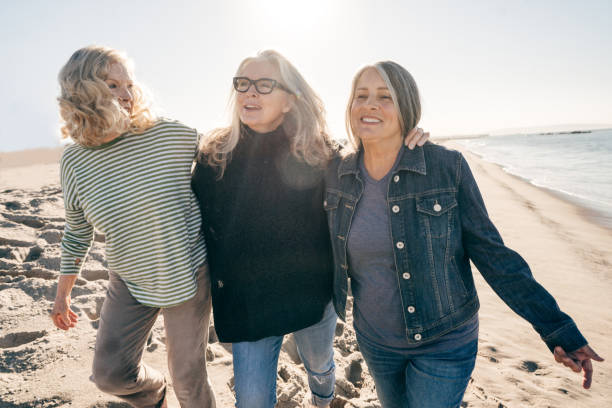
(377, 309)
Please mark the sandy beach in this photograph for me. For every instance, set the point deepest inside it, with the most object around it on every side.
(44, 367)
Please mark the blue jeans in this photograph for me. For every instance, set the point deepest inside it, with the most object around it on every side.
(255, 364)
(404, 380)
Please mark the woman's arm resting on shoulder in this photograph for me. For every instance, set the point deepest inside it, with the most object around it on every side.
(579, 360)
(416, 137)
(63, 317)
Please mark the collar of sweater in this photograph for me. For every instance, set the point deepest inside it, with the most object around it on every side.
(270, 143)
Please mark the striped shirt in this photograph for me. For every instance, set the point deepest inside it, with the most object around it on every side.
(136, 191)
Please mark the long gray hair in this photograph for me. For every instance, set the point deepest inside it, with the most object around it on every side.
(305, 123)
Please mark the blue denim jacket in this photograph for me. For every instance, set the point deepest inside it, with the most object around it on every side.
(438, 224)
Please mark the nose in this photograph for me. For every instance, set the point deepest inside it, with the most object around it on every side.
(371, 103)
(251, 91)
(125, 94)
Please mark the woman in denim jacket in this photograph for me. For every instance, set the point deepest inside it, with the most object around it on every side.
(404, 226)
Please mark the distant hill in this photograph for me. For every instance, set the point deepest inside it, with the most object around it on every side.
(551, 128)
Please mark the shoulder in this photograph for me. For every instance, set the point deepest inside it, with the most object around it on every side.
(441, 156)
(165, 125)
(71, 154)
(445, 162)
(341, 157)
(440, 152)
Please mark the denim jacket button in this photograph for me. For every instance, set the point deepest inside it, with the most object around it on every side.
(399, 245)
(396, 178)
(406, 275)
(395, 209)
(411, 309)
(437, 207)
(417, 337)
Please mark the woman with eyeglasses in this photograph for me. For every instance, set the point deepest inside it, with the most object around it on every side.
(260, 183)
(405, 225)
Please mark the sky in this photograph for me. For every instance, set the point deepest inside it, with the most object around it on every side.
(482, 66)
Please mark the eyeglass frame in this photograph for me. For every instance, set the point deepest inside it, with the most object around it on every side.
(253, 82)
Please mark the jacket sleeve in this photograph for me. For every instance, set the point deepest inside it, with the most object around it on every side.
(78, 233)
(507, 272)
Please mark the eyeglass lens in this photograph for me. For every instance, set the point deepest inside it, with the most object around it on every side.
(262, 85)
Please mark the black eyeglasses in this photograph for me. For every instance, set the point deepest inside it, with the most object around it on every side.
(263, 86)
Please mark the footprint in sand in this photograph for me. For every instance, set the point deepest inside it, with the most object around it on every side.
(20, 338)
(529, 366)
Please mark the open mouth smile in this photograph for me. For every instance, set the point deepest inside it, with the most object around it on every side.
(370, 119)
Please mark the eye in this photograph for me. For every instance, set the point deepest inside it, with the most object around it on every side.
(265, 84)
(112, 86)
(242, 83)
(362, 96)
(130, 86)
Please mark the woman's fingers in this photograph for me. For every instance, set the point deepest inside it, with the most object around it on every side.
(563, 358)
(413, 137)
(62, 316)
(588, 374)
(592, 354)
(424, 138)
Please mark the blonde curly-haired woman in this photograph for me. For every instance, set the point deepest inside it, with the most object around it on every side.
(128, 176)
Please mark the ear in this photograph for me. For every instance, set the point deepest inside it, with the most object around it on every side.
(289, 104)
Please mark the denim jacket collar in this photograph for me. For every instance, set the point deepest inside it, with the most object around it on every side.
(411, 160)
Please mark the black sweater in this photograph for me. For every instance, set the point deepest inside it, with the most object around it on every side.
(267, 238)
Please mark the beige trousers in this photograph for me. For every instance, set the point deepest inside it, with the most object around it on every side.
(124, 328)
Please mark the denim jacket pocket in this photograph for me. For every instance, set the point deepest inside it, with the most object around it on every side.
(435, 213)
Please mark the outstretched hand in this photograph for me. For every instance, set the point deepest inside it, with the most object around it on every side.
(416, 137)
(579, 360)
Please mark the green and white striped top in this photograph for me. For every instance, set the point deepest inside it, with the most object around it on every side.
(136, 190)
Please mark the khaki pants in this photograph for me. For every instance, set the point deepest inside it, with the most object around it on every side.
(124, 328)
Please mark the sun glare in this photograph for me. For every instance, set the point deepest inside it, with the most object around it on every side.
(293, 16)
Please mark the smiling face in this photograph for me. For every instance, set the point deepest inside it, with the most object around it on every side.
(373, 115)
(262, 113)
(120, 84)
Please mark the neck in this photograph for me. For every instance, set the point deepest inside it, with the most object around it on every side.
(379, 156)
(268, 127)
(264, 131)
(110, 137)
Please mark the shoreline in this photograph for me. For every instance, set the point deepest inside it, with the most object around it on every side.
(598, 217)
(47, 157)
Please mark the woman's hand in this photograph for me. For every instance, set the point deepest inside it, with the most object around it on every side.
(579, 360)
(63, 317)
(416, 137)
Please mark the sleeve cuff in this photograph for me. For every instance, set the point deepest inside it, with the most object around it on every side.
(568, 337)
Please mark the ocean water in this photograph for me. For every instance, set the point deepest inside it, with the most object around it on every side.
(578, 166)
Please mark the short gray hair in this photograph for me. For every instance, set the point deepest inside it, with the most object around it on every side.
(404, 92)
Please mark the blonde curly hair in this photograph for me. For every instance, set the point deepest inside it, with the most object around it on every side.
(305, 123)
(89, 111)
